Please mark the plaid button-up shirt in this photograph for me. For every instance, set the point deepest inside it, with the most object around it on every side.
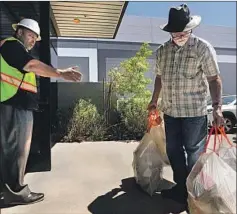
(183, 73)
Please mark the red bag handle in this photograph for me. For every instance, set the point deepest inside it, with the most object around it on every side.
(208, 139)
(153, 119)
(223, 134)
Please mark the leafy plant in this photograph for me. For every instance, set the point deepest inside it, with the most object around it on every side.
(125, 116)
(129, 80)
(129, 83)
(134, 116)
(86, 123)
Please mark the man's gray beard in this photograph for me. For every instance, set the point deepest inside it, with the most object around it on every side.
(21, 39)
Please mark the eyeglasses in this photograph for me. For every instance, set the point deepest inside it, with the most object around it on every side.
(180, 35)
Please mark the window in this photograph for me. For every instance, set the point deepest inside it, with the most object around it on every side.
(228, 99)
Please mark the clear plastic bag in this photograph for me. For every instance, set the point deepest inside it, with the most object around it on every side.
(158, 134)
(150, 156)
(227, 150)
(148, 165)
(228, 155)
(211, 184)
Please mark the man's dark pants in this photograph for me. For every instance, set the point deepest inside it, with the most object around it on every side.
(188, 133)
(15, 140)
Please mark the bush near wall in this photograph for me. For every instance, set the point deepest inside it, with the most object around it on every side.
(132, 116)
(83, 123)
(129, 84)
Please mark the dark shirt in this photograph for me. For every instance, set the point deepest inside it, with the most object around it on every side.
(15, 54)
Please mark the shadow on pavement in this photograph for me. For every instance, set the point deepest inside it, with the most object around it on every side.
(130, 199)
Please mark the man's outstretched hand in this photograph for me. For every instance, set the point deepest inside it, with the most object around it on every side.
(71, 74)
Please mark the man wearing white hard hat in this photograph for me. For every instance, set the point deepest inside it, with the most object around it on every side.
(186, 67)
(18, 70)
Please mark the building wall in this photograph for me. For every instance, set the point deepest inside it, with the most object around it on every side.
(95, 68)
(125, 50)
(139, 29)
(228, 75)
(97, 56)
(85, 58)
(54, 57)
(70, 93)
(81, 62)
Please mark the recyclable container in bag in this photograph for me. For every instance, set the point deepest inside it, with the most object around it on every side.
(150, 155)
(211, 184)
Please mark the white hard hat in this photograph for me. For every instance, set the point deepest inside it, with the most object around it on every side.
(29, 24)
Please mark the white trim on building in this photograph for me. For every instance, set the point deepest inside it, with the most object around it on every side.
(226, 58)
(220, 59)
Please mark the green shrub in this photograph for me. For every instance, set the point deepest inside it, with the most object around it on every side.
(129, 83)
(131, 119)
(127, 120)
(134, 116)
(86, 123)
(128, 80)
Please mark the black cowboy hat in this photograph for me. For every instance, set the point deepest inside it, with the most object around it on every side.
(180, 20)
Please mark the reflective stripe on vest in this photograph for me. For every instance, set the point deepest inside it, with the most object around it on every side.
(16, 82)
(11, 78)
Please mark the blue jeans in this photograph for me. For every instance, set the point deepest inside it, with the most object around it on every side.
(184, 135)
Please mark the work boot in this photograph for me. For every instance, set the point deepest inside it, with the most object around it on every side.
(23, 197)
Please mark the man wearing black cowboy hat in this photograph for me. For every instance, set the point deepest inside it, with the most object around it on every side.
(186, 67)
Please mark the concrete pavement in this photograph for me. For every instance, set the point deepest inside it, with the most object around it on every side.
(93, 178)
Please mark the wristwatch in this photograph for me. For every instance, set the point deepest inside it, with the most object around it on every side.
(216, 105)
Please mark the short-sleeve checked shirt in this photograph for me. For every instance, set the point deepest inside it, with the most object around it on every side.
(183, 72)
